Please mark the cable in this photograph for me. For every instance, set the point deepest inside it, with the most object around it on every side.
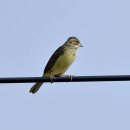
(66, 79)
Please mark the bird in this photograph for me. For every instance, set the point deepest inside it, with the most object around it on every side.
(60, 61)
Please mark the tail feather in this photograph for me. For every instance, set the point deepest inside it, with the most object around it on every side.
(36, 87)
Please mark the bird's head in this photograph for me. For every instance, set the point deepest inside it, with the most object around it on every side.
(73, 42)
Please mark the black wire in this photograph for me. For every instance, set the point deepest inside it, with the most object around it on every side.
(66, 79)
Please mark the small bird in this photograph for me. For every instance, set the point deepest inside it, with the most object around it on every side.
(60, 61)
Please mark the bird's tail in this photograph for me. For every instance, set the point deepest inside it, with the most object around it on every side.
(35, 87)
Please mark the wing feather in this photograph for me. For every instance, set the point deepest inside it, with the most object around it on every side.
(54, 58)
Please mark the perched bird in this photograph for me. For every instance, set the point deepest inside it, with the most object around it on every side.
(60, 61)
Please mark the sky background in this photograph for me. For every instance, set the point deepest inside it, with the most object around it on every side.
(31, 30)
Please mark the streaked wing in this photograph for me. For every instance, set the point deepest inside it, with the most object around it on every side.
(54, 58)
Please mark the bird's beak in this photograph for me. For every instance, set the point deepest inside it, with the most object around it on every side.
(81, 45)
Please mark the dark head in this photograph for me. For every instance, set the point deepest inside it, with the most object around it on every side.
(73, 42)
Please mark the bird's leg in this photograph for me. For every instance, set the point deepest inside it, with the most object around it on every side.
(69, 76)
(52, 77)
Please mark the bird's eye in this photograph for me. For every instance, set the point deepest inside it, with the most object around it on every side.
(75, 43)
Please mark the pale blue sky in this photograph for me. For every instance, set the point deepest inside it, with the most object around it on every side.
(31, 30)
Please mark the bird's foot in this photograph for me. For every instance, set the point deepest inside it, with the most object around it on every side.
(69, 76)
(52, 78)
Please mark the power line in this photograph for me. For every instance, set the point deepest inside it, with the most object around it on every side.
(66, 79)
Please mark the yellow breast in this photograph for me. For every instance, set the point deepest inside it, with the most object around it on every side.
(63, 62)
